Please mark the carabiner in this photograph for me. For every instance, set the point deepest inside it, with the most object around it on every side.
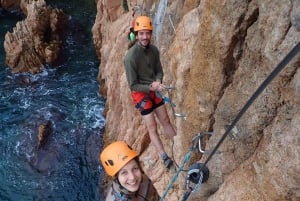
(197, 174)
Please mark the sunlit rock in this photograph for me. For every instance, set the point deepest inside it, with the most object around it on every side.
(44, 132)
(36, 41)
(219, 54)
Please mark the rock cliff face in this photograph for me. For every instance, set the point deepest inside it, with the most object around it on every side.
(35, 41)
(216, 54)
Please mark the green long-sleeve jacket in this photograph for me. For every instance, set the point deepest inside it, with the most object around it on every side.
(142, 66)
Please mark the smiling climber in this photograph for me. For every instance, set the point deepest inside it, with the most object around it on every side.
(129, 181)
(144, 75)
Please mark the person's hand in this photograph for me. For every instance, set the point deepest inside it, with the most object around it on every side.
(161, 87)
(157, 86)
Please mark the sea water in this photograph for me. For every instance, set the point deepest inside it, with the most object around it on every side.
(66, 168)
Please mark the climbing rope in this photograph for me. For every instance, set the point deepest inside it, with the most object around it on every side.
(167, 99)
(198, 137)
(173, 158)
(186, 158)
(267, 81)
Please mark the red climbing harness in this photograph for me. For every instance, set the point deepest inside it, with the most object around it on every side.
(145, 101)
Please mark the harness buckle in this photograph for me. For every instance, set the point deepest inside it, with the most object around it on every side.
(140, 105)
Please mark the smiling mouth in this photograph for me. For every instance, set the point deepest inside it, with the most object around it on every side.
(132, 183)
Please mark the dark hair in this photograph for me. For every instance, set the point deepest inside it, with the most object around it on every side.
(131, 43)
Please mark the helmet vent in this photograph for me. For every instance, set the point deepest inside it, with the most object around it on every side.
(109, 162)
(124, 158)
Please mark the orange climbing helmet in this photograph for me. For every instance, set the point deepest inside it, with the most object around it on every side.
(115, 156)
(142, 22)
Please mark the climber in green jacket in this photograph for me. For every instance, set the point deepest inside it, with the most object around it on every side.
(144, 75)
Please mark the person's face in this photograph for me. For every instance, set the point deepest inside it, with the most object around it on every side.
(130, 176)
(144, 37)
